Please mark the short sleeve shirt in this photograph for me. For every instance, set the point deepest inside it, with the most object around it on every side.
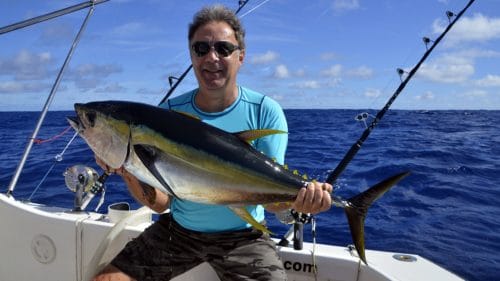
(251, 110)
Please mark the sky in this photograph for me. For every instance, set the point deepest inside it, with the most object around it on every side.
(304, 54)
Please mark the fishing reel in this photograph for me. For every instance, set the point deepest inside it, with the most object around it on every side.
(80, 177)
(86, 183)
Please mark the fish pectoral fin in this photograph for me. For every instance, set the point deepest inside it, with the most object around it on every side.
(246, 216)
(250, 135)
(148, 155)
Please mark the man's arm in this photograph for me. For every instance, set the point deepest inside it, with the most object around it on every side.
(144, 193)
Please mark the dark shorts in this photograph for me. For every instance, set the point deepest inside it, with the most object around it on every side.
(165, 250)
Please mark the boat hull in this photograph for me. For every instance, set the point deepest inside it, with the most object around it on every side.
(39, 242)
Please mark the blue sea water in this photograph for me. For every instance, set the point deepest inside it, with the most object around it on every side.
(447, 210)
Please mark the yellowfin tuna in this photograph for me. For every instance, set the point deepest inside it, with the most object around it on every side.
(191, 160)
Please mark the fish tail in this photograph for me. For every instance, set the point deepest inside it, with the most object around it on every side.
(357, 208)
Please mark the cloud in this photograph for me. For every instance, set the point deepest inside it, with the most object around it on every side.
(278, 97)
(489, 81)
(372, 93)
(476, 94)
(96, 70)
(145, 91)
(478, 28)
(361, 72)
(281, 72)
(89, 76)
(310, 84)
(85, 84)
(333, 71)
(138, 36)
(344, 5)
(128, 29)
(27, 66)
(457, 67)
(300, 73)
(112, 88)
(16, 87)
(447, 69)
(425, 96)
(139, 45)
(476, 53)
(265, 58)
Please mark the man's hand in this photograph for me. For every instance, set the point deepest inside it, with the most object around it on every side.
(313, 199)
(108, 169)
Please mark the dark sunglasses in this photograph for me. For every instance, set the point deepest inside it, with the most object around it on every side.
(223, 48)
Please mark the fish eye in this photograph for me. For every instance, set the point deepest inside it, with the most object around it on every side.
(91, 118)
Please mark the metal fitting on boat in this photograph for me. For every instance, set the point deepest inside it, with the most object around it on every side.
(404, 257)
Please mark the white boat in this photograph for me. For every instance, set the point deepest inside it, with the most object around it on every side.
(41, 242)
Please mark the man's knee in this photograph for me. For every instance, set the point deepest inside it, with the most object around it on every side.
(112, 273)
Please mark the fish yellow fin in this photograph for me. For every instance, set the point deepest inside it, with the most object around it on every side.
(250, 135)
(246, 216)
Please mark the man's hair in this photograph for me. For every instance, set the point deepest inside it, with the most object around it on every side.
(218, 13)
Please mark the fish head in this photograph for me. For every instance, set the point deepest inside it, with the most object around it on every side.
(105, 133)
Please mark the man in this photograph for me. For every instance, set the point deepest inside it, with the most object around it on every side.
(193, 233)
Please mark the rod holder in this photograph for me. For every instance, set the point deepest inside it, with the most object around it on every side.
(298, 235)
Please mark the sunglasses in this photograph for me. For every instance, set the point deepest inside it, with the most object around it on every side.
(223, 48)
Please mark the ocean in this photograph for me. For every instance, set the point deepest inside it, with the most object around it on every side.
(447, 210)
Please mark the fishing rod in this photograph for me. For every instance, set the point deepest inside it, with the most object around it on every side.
(49, 100)
(49, 16)
(298, 219)
(241, 4)
(357, 145)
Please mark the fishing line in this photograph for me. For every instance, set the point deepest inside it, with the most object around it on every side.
(357, 145)
(58, 158)
(255, 8)
(390, 82)
(40, 141)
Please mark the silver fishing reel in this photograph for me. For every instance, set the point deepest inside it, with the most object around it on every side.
(80, 177)
(86, 183)
(285, 217)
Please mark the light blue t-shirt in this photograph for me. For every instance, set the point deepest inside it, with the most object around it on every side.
(251, 110)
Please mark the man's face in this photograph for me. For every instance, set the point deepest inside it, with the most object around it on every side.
(215, 71)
